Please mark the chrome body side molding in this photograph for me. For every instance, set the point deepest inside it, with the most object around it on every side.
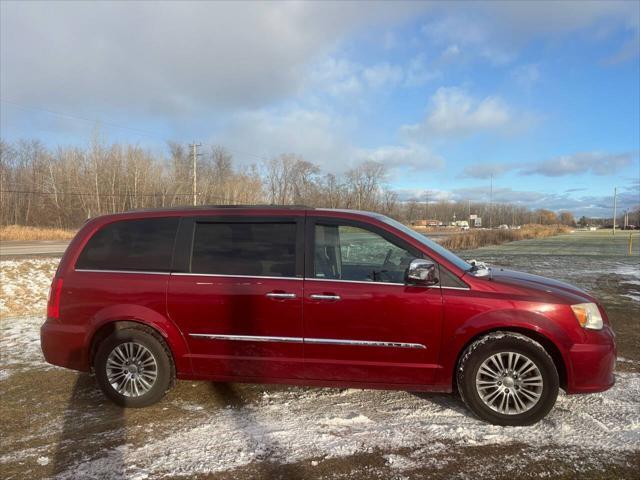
(246, 338)
(363, 343)
(315, 341)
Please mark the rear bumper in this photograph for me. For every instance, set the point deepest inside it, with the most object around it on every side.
(592, 364)
(64, 345)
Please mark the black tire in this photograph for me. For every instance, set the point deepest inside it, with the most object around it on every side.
(153, 342)
(497, 342)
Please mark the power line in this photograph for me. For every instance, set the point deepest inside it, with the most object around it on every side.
(88, 194)
(139, 131)
(157, 136)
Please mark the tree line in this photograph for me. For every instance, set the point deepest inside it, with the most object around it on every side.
(63, 186)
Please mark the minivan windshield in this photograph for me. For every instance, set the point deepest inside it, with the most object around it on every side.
(439, 249)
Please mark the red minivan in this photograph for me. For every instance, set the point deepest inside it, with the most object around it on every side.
(317, 297)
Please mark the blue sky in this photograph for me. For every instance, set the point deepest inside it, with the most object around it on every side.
(543, 96)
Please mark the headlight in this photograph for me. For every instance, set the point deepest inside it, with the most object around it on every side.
(588, 315)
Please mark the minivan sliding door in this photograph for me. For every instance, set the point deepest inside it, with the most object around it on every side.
(238, 299)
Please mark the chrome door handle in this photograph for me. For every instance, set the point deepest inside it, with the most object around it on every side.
(281, 295)
(320, 296)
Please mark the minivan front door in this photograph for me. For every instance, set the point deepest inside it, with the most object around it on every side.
(361, 322)
(239, 300)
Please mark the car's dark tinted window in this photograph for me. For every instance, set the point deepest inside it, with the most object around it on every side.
(145, 244)
(256, 249)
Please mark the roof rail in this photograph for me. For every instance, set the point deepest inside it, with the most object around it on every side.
(208, 207)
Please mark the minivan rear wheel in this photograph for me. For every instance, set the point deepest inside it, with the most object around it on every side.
(134, 367)
(507, 378)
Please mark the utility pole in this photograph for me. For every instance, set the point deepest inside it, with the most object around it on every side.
(491, 203)
(615, 206)
(426, 208)
(626, 220)
(194, 148)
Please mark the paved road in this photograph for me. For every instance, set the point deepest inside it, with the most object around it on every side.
(35, 247)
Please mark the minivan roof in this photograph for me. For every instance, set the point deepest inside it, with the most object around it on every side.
(186, 210)
(211, 207)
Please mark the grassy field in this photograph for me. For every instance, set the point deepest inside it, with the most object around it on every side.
(596, 261)
(481, 238)
(230, 431)
(22, 233)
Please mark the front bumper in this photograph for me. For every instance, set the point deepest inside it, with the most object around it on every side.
(591, 365)
(64, 345)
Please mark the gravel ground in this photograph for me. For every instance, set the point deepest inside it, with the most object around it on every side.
(55, 423)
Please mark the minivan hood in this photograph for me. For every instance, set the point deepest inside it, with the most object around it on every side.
(541, 285)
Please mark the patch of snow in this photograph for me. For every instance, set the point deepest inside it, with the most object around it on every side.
(301, 424)
(347, 420)
(633, 297)
(400, 462)
(20, 345)
(628, 270)
(625, 360)
(43, 461)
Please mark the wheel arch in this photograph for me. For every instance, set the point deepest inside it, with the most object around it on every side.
(550, 347)
(108, 327)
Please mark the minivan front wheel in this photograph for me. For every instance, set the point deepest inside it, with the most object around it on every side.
(134, 367)
(508, 379)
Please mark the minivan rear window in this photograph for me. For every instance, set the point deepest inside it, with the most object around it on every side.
(252, 249)
(138, 245)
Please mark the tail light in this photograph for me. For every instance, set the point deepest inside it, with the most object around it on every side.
(53, 303)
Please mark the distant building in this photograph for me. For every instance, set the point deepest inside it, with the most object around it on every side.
(463, 224)
(427, 223)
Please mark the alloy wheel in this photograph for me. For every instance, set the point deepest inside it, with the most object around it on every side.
(509, 383)
(131, 369)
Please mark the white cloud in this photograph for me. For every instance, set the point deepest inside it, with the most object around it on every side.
(412, 156)
(343, 77)
(320, 137)
(171, 58)
(453, 112)
(526, 75)
(467, 37)
(496, 31)
(418, 73)
(486, 170)
(596, 163)
(451, 52)
(383, 74)
(580, 163)
(337, 76)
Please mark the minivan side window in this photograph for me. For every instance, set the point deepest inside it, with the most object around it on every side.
(243, 248)
(344, 252)
(136, 245)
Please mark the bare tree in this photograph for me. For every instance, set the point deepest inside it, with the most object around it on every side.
(65, 186)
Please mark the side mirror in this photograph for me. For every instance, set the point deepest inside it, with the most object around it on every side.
(421, 272)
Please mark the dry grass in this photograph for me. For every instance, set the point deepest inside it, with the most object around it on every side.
(24, 285)
(482, 238)
(20, 232)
